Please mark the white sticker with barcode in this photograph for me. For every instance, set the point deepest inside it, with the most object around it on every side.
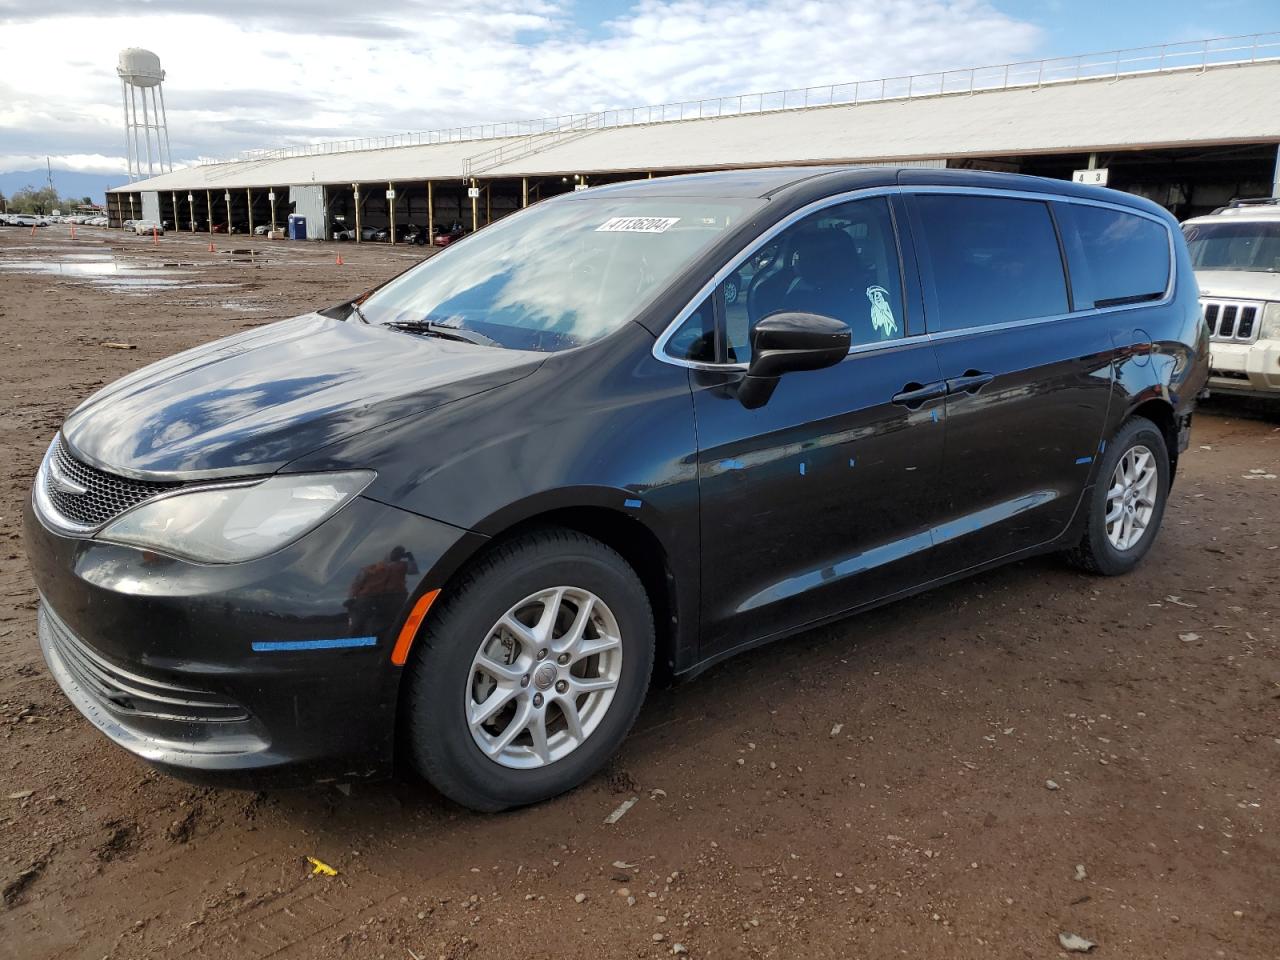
(637, 225)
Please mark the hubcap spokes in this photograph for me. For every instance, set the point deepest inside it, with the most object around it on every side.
(1131, 498)
(543, 677)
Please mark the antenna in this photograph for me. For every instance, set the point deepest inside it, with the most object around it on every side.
(140, 76)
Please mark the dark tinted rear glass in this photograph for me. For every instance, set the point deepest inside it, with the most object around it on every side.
(1115, 257)
(994, 260)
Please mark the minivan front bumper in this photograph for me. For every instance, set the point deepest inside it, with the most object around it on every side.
(268, 672)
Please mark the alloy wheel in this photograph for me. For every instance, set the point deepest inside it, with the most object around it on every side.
(543, 677)
(1131, 498)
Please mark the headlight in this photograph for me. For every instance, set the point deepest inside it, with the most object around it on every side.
(1270, 329)
(236, 522)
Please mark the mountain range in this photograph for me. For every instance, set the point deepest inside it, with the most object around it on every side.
(68, 183)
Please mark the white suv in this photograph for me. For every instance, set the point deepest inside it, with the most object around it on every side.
(1236, 254)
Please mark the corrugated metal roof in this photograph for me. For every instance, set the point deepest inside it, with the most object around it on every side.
(1222, 104)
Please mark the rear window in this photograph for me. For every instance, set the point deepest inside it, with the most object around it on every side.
(1115, 257)
(994, 260)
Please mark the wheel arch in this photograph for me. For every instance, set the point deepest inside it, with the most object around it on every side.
(593, 514)
(1160, 412)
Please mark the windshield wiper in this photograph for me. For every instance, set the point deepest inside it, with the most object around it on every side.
(443, 330)
(355, 308)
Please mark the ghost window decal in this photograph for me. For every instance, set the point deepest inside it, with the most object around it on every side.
(881, 313)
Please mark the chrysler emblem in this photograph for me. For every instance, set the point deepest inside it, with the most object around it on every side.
(64, 484)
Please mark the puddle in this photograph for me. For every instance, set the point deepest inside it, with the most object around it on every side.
(107, 273)
(241, 307)
(144, 284)
(78, 268)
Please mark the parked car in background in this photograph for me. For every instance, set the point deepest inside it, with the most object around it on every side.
(27, 220)
(447, 235)
(148, 227)
(340, 231)
(461, 518)
(1236, 255)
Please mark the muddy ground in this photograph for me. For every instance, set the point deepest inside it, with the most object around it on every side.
(872, 789)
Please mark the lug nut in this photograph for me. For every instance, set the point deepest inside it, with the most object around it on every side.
(562, 659)
(537, 699)
(562, 686)
(542, 654)
(524, 681)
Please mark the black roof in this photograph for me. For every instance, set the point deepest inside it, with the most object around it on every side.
(762, 182)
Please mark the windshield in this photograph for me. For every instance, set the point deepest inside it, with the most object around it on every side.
(1235, 245)
(560, 274)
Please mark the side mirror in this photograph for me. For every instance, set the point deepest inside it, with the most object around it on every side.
(788, 342)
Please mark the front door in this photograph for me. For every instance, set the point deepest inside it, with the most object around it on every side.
(823, 498)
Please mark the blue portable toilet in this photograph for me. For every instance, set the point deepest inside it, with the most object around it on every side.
(297, 227)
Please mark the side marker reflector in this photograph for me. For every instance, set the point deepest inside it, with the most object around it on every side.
(400, 652)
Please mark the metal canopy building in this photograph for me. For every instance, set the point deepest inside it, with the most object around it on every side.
(1189, 125)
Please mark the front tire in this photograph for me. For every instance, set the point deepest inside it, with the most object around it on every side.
(530, 673)
(1127, 501)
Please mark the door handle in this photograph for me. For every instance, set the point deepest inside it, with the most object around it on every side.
(913, 395)
(971, 382)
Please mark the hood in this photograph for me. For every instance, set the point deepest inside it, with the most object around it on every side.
(1241, 284)
(251, 403)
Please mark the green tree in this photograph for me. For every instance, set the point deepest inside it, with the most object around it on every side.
(32, 200)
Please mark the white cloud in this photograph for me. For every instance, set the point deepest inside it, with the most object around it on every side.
(80, 162)
(236, 82)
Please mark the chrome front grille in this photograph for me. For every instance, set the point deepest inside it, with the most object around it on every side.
(126, 693)
(88, 497)
(1232, 321)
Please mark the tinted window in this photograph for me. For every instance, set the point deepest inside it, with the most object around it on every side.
(1115, 257)
(994, 260)
(840, 262)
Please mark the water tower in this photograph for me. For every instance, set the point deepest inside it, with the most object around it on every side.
(140, 77)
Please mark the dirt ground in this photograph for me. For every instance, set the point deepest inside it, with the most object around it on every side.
(876, 788)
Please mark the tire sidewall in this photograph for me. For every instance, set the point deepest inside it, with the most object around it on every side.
(1136, 432)
(443, 737)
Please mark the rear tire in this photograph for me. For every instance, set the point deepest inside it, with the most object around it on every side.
(505, 633)
(1126, 503)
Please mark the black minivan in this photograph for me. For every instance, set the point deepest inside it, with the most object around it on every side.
(465, 518)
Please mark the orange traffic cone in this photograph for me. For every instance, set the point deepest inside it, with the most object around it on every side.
(339, 260)
(155, 237)
(73, 231)
(211, 246)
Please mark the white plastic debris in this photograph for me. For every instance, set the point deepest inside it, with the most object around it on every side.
(1075, 943)
(621, 810)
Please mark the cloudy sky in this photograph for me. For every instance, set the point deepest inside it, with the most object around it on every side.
(261, 73)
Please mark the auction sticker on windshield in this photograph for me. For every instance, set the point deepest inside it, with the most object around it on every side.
(637, 224)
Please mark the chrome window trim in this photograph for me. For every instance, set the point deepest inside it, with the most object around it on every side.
(1170, 287)
(659, 346)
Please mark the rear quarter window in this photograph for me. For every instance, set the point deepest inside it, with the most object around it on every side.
(1115, 257)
